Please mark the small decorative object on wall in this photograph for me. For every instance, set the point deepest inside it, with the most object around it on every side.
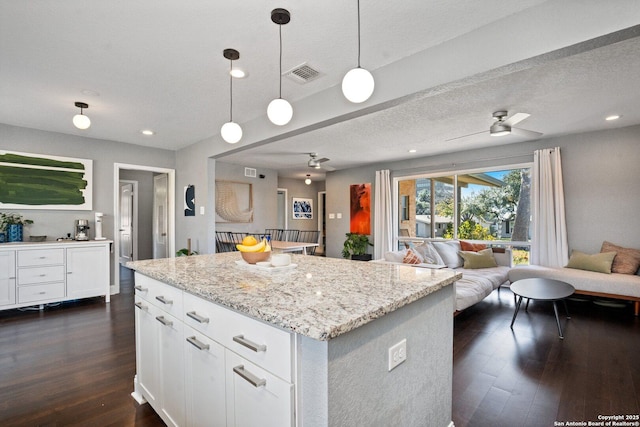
(189, 200)
(302, 208)
(32, 181)
(360, 209)
(234, 201)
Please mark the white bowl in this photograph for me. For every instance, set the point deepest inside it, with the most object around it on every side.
(280, 260)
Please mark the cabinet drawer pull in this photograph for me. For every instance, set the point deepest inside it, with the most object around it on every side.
(140, 306)
(43, 257)
(42, 275)
(240, 339)
(197, 317)
(252, 379)
(164, 300)
(69, 272)
(140, 288)
(10, 278)
(199, 345)
(164, 321)
(42, 293)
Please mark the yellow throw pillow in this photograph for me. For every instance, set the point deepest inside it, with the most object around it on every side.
(480, 259)
(600, 263)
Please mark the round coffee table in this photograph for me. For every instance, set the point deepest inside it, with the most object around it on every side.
(544, 290)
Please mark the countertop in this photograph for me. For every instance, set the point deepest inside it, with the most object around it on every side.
(321, 298)
(31, 245)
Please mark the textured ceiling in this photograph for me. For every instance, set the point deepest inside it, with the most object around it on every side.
(441, 67)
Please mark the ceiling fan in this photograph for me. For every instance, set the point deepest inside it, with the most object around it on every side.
(504, 126)
(316, 163)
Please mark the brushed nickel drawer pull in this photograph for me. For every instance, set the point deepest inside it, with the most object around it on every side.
(140, 306)
(140, 288)
(199, 345)
(195, 316)
(164, 321)
(163, 300)
(252, 379)
(240, 339)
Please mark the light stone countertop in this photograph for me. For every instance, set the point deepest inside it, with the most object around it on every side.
(321, 298)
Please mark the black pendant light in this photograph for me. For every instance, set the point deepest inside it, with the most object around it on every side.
(231, 131)
(280, 110)
(358, 83)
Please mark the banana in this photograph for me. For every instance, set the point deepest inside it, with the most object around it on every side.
(260, 247)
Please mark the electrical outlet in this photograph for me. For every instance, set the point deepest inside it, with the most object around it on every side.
(397, 354)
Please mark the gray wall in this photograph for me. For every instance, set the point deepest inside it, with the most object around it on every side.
(601, 182)
(145, 209)
(297, 188)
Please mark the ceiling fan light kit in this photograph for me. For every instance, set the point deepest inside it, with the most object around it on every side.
(231, 132)
(80, 120)
(280, 110)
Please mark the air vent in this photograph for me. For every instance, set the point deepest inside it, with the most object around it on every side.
(250, 172)
(303, 73)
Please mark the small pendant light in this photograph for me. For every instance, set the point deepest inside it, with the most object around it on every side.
(308, 180)
(279, 110)
(80, 120)
(231, 131)
(358, 83)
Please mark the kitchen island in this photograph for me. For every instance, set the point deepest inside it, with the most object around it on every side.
(305, 345)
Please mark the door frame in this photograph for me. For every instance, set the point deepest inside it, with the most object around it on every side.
(171, 209)
(134, 221)
(286, 206)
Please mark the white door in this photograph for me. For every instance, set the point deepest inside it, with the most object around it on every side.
(126, 222)
(282, 209)
(160, 224)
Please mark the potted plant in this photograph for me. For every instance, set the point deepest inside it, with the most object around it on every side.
(12, 224)
(355, 247)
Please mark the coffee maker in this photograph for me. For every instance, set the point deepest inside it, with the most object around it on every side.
(82, 229)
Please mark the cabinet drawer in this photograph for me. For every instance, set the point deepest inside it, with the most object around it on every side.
(37, 293)
(163, 296)
(266, 346)
(204, 316)
(33, 275)
(35, 257)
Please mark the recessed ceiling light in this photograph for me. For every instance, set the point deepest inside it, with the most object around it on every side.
(413, 150)
(238, 73)
(90, 92)
(147, 132)
(612, 117)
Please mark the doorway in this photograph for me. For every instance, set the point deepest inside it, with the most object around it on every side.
(166, 224)
(128, 220)
(322, 223)
(283, 209)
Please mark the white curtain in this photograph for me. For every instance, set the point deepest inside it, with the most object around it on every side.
(549, 240)
(383, 221)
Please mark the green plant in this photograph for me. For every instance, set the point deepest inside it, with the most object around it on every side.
(356, 244)
(185, 252)
(12, 218)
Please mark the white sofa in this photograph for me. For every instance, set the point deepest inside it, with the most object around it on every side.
(614, 285)
(475, 284)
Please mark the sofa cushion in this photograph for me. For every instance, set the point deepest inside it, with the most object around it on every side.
(600, 263)
(481, 259)
(429, 253)
(627, 260)
(473, 247)
(412, 257)
(448, 251)
(395, 256)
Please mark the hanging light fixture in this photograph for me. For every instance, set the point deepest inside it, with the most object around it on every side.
(231, 131)
(80, 120)
(358, 83)
(308, 180)
(279, 110)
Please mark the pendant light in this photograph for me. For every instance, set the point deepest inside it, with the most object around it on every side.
(358, 83)
(308, 180)
(231, 131)
(80, 120)
(279, 110)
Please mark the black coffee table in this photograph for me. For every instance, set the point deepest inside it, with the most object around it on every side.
(544, 290)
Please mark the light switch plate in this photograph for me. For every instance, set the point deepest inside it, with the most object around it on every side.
(339, 215)
(201, 210)
(332, 216)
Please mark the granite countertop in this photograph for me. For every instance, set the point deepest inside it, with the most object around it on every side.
(321, 298)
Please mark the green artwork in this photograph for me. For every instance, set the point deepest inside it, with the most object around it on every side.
(44, 182)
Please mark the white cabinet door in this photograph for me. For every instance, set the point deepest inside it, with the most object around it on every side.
(7, 277)
(255, 397)
(171, 349)
(87, 271)
(204, 380)
(147, 355)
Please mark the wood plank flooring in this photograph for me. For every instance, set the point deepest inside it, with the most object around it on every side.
(74, 365)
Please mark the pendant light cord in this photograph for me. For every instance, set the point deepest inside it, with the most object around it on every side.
(280, 74)
(230, 91)
(358, 33)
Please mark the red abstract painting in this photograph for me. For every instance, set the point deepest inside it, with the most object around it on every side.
(360, 209)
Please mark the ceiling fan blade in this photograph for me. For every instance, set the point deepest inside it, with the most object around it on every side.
(526, 133)
(465, 136)
(328, 168)
(516, 118)
(322, 160)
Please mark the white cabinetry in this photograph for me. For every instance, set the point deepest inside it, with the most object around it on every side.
(211, 366)
(36, 274)
(7, 278)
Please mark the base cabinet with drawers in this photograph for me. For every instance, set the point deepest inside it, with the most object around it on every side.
(37, 274)
(200, 364)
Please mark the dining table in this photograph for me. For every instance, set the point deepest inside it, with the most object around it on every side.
(285, 246)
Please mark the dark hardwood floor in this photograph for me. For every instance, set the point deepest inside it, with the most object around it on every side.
(73, 365)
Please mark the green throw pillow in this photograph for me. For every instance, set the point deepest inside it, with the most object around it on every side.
(600, 263)
(480, 259)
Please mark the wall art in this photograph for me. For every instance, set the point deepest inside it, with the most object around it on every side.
(360, 221)
(189, 200)
(302, 208)
(234, 201)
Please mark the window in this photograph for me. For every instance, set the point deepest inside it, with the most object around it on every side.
(492, 205)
